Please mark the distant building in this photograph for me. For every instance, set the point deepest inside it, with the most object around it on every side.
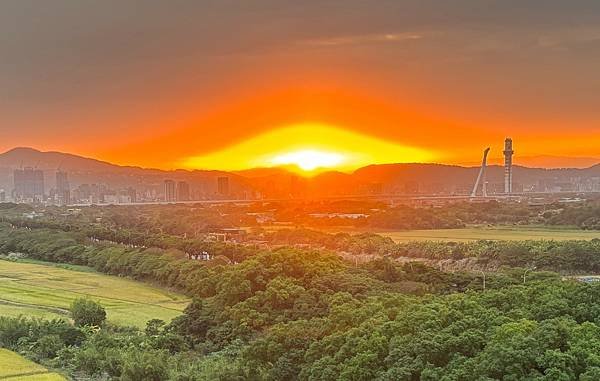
(2, 195)
(411, 187)
(63, 189)
(508, 172)
(117, 198)
(112, 199)
(132, 194)
(170, 195)
(223, 186)
(91, 194)
(183, 191)
(29, 185)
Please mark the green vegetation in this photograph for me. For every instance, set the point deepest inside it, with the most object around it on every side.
(506, 233)
(566, 256)
(46, 291)
(296, 314)
(159, 225)
(86, 312)
(585, 216)
(17, 368)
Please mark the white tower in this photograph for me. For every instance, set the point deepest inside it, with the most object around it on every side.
(508, 152)
(481, 176)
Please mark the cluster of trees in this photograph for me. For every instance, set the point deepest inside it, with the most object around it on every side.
(308, 315)
(89, 348)
(380, 215)
(291, 314)
(585, 216)
(571, 256)
(138, 239)
(153, 226)
(173, 219)
(544, 331)
(171, 267)
(195, 220)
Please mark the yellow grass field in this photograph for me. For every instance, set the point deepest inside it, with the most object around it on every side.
(44, 290)
(516, 233)
(16, 368)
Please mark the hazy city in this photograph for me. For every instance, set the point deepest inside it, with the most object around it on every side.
(81, 186)
(314, 191)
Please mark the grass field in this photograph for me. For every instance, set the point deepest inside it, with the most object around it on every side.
(44, 290)
(16, 368)
(516, 233)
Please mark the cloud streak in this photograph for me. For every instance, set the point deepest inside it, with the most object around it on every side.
(362, 39)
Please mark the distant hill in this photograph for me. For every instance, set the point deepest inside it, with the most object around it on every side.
(280, 183)
(546, 161)
(432, 178)
(29, 157)
(84, 170)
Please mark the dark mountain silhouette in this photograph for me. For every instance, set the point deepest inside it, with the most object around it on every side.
(84, 170)
(29, 157)
(544, 161)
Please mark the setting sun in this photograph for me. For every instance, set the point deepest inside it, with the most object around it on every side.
(309, 147)
(309, 160)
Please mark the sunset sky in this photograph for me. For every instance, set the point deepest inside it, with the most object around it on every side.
(232, 84)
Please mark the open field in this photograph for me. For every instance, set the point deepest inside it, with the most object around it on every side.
(44, 290)
(517, 233)
(16, 368)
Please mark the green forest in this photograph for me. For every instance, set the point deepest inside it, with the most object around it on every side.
(197, 219)
(291, 314)
(298, 310)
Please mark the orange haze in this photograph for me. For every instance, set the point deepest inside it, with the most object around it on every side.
(206, 132)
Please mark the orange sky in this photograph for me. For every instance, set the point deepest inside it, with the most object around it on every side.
(449, 134)
(166, 87)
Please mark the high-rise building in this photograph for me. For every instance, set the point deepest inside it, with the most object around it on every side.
(132, 194)
(2, 195)
(183, 191)
(508, 152)
(223, 186)
(63, 189)
(29, 184)
(170, 195)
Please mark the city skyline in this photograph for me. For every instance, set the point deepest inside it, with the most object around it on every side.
(84, 181)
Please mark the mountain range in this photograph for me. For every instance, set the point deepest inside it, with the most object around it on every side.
(407, 178)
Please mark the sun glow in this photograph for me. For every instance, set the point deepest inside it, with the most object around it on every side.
(309, 160)
(309, 148)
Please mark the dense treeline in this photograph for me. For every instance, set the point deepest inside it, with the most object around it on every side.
(543, 330)
(172, 268)
(292, 314)
(308, 315)
(539, 332)
(572, 256)
(107, 352)
(585, 216)
(575, 256)
(137, 239)
(196, 220)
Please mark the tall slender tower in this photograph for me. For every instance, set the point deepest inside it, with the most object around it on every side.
(508, 152)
